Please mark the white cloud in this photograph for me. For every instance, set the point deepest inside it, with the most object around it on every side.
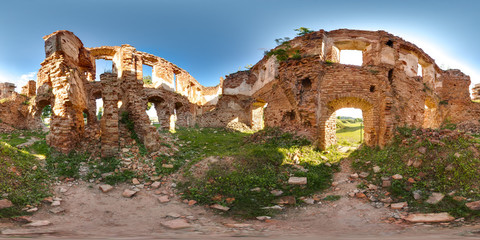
(19, 81)
(29, 76)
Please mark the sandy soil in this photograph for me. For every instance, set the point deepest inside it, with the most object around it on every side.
(90, 213)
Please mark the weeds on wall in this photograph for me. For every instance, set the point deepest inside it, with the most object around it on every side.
(440, 161)
(125, 119)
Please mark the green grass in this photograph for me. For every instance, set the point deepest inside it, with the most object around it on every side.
(449, 166)
(22, 179)
(351, 133)
(264, 161)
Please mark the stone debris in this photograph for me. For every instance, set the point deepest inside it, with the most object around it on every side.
(354, 176)
(376, 169)
(276, 193)
(363, 174)
(20, 231)
(176, 224)
(309, 201)
(275, 207)
(257, 189)
(398, 206)
(435, 198)
(135, 181)
(128, 193)
(417, 195)
(237, 225)
(397, 177)
(386, 183)
(22, 219)
(31, 210)
(286, 200)
(220, 207)
(473, 205)
(155, 185)
(173, 215)
(56, 210)
(422, 150)
(38, 223)
(55, 203)
(105, 188)
(263, 218)
(297, 180)
(163, 199)
(429, 217)
(167, 165)
(5, 203)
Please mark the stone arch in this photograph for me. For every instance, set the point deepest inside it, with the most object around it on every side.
(163, 110)
(327, 121)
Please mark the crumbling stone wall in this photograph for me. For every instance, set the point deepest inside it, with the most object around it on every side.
(302, 94)
(396, 85)
(476, 92)
(67, 82)
(6, 90)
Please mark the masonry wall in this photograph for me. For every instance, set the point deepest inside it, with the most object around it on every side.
(300, 94)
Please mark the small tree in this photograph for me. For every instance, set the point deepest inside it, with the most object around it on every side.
(302, 31)
(47, 112)
(147, 80)
(100, 113)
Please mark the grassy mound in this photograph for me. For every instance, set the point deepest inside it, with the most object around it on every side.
(441, 161)
(22, 179)
(242, 174)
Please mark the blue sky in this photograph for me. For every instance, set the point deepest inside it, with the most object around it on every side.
(212, 38)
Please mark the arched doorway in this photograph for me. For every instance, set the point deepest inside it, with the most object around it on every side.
(328, 120)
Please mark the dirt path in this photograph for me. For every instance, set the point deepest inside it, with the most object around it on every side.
(90, 213)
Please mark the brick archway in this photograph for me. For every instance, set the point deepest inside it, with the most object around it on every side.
(327, 121)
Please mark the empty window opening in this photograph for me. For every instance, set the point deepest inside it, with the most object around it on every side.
(390, 76)
(178, 106)
(46, 115)
(289, 116)
(420, 70)
(349, 126)
(352, 57)
(372, 88)
(103, 66)
(147, 72)
(99, 110)
(390, 43)
(306, 84)
(174, 82)
(152, 114)
(85, 116)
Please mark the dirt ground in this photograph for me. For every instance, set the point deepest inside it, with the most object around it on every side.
(90, 213)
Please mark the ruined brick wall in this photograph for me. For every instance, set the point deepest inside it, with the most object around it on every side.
(6, 90)
(397, 84)
(476, 92)
(30, 89)
(303, 94)
(61, 83)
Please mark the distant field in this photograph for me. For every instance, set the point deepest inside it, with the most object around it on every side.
(350, 133)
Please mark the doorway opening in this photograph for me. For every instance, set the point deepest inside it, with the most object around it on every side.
(349, 126)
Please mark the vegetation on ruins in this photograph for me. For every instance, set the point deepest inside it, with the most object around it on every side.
(302, 31)
(430, 161)
(251, 167)
(22, 179)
